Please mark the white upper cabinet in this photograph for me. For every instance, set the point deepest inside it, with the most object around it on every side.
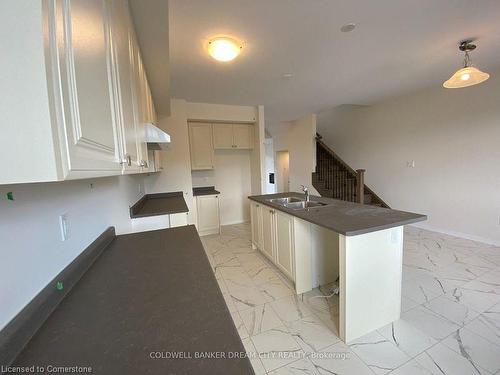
(200, 146)
(74, 109)
(223, 136)
(231, 136)
(82, 30)
(123, 48)
(243, 136)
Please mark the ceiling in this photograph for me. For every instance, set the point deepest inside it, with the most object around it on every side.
(398, 46)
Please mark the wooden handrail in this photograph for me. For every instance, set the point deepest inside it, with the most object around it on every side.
(341, 178)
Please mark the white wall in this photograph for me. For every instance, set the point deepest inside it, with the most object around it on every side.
(221, 112)
(269, 166)
(454, 138)
(176, 174)
(232, 177)
(298, 138)
(32, 252)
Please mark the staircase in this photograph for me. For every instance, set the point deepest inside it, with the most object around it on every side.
(335, 179)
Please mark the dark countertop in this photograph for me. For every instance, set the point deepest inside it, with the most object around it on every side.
(159, 204)
(343, 217)
(205, 190)
(148, 292)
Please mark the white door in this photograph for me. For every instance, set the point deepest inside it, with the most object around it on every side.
(207, 207)
(85, 61)
(243, 136)
(223, 136)
(200, 146)
(284, 243)
(124, 51)
(268, 230)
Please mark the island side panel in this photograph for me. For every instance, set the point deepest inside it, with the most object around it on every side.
(325, 256)
(370, 281)
(302, 256)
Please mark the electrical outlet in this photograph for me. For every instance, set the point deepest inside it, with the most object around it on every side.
(140, 189)
(64, 226)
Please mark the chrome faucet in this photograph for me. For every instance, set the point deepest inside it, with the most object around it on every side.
(306, 192)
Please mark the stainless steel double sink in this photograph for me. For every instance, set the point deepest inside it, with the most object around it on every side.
(295, 203)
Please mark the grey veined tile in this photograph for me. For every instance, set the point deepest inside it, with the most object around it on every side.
(441, 360)
(301, 367)
(476, 299)
(277, 348)
(430, 323)
(487, 324)
(290, 308)
(339, 359)
(475, 349)
(453, 310)
(406, 337)
(259, 319)
(380, 354)
(412, 368)
(253, 355)
(311, 334)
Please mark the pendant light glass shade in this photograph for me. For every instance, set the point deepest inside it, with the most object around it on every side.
(468, 75)
(465, 77)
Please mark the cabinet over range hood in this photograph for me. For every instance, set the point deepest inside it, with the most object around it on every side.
(156, 138)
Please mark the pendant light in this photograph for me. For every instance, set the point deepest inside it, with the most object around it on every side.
(468, 75)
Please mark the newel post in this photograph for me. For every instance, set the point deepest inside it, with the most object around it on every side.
(360, 185)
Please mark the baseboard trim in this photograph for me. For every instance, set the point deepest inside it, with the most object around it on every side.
(19, 331)
(466, 236)
(235, 222)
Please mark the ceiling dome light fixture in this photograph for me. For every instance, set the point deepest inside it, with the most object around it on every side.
(468, 75)
(224, 49)
(348, 27)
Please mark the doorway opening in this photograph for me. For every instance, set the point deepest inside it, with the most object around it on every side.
(282, 171)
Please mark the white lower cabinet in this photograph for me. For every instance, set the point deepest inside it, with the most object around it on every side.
(268, 232)
(273, 235)
(207, 208)
(178, 220)
(285, 243)
(256, 217)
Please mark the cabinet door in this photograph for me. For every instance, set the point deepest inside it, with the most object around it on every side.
(141, 109)
(207, 207)
(178, 220)
(284, 243)
(243, 136)
(124, 64)
(84, 48)
(268, 232)
(200, 146)
(256, 217)
(223, 136)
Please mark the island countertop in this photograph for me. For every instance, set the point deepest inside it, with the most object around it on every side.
(346, 218)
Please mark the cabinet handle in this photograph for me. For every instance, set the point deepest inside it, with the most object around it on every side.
(144, 164)
(126, 160)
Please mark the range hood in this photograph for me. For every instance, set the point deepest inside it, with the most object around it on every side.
(156, 138)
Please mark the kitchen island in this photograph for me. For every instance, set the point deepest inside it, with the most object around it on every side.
(327, 240)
